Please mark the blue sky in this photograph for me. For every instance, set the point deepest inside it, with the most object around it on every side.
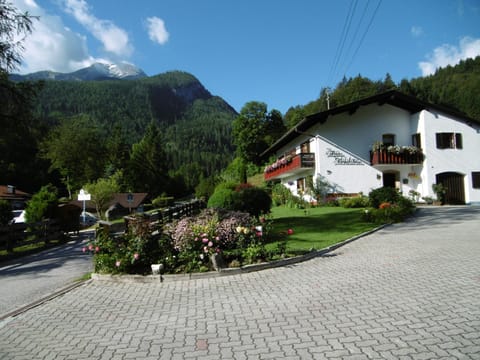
(276, 51)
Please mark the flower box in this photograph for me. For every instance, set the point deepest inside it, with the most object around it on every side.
(381, 157)
(289, 165)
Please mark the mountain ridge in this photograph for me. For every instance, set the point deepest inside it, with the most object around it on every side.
(96, 72)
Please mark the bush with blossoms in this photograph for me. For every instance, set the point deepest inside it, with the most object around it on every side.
(214, 231)
(131, 253)
(387, 205)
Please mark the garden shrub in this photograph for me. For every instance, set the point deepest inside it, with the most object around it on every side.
(214, 231)
(162, 201)
(354, 202)
(131, 253)
(5, 212)
(221, 198)
(387, 212)
(280, 194)
(253, 200)
(241, 197)
(382, 195)
(42, 205)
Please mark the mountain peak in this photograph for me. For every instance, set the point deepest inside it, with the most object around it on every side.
(96, 71)
(121, 70)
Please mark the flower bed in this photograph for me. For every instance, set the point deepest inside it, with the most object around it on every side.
(185, 246)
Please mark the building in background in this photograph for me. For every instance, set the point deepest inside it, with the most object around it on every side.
(389, 139)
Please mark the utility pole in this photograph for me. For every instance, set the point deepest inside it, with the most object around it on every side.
(328, 98)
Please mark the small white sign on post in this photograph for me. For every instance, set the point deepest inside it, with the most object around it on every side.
(83, 196)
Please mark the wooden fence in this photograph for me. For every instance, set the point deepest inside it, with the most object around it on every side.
(177, 211)
(15, 235)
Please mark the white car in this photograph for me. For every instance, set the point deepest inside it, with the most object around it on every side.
(18, 216)
(89, 219)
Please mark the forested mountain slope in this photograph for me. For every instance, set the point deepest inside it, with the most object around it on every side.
(196, 126)
(456, 87)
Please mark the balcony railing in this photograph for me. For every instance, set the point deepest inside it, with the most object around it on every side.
(289, 165)
(384, 157)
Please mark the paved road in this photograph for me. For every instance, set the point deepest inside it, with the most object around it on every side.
(408, 291)
(26, 280)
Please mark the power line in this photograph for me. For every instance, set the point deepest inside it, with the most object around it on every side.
(339, 54)
(343, 37)
(364, 35)
(357, 31)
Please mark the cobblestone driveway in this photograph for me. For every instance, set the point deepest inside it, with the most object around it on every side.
(409, 291)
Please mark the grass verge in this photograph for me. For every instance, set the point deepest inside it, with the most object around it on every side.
(317, 228)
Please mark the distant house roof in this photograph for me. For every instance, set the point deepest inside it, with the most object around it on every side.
(392, 97)
(122, 199)
(9, 192)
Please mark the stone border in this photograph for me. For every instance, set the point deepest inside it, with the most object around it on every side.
(229, 271)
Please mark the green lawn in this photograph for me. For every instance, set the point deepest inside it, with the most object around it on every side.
(317, 228)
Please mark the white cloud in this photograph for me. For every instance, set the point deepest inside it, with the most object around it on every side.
(51, 46)
(157, 31)
(450, 55)
(114, 39)
(416, 31)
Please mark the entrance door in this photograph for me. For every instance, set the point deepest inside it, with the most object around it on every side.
(455, 187)
(389, 179)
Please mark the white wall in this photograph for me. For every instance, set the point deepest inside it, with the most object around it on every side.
(344, 141)
(462, 161)
(348, 172)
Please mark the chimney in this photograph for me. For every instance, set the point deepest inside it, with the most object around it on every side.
(10, 189)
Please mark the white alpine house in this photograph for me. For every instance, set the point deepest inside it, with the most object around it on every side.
(389, 139)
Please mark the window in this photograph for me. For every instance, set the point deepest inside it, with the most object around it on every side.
(476, 179)
(388, 139)
(416, 141)
(305, 147)
(449, 140)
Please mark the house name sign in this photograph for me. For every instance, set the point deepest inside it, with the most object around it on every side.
(341, 158)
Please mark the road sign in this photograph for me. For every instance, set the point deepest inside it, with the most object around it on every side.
(84, 196)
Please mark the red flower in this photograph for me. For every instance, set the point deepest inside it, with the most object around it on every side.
(290, 231)
(385, 205)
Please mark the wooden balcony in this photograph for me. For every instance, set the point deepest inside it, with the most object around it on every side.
(384, 157)
(289, 166)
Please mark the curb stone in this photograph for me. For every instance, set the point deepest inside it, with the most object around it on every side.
(44, 299)
(229, 271)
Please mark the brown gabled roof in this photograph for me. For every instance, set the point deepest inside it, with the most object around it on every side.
(8, 192)
(122, 199)
(392, 97)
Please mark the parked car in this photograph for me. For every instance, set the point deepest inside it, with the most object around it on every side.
(18, 216)
(88, 220)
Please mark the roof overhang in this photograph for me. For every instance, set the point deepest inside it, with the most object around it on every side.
(392, 97)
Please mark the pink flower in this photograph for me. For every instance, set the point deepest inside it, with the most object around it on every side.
(84, 249)
(210, 244)
(290, 231)
(259, 234)
(196, 239)
(97, 249)
(205, 240)
(205, 249)
(117, 263)
(136, 256)
(90, 247)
